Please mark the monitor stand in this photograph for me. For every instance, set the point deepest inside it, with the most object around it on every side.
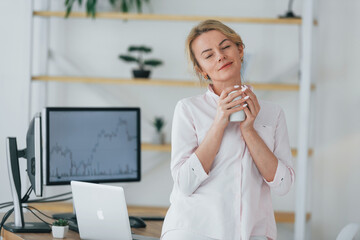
(19, 225)
(34, 227)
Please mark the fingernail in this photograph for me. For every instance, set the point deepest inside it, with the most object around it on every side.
(236, 86)
(246, 97)
(245, 105)
(243, 88)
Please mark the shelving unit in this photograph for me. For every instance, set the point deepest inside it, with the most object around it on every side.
(160, 17)
(167, 148)
(160, 82)
(304, 88)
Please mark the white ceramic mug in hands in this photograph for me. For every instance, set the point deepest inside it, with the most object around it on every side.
(240, 115)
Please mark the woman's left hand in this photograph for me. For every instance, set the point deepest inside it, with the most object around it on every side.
(251, 111)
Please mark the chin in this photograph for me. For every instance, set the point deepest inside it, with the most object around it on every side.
(228, 76)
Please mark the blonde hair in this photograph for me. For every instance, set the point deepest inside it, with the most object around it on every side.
(203, 27)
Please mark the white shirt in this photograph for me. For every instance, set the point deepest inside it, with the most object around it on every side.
(233, 201)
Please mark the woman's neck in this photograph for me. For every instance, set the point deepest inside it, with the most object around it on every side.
(219, 86)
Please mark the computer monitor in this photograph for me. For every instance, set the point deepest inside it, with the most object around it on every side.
(91, 144)
(85, 144)
(32, 153)
(97, 145)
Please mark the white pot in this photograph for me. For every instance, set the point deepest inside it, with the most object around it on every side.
(59, 231)
(159, 138)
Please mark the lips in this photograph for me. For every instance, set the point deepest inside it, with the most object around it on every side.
(225, 65)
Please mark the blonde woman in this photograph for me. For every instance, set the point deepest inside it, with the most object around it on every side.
(224, 171)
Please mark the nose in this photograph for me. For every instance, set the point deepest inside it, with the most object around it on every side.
(221, 56)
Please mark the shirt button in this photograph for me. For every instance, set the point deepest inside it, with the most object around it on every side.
(282, 179)
(192, 169)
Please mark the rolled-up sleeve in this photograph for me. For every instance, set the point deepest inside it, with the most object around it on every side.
(285, 175)
(186, 169)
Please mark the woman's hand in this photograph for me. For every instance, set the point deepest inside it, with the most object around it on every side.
(227, 106)
(251, 111)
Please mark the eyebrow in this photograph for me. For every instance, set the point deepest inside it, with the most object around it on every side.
(211, 49)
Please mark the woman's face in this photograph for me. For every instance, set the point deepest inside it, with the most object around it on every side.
(217, 56)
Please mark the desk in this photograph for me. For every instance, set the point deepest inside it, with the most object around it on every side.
(153, 228)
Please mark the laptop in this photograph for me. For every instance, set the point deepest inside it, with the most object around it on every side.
(101, 212)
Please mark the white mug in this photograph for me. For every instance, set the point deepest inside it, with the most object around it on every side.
(237, 116)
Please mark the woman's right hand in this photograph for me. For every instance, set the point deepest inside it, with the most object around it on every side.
(226, 105)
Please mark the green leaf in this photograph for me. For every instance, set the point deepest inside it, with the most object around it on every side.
(93, 9)
(112, 2)
(145, 49)
(128, 58)
(158, 123)
(138, 5)
(133, 48)
(124, 6)
(153, 62)
(139, 49)
(68, 4)
(68, 11)
(60, 222)
(88, 7)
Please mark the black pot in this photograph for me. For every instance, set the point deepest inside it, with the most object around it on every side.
(141, 73)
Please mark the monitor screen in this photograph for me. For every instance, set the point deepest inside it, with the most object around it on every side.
(91, 144)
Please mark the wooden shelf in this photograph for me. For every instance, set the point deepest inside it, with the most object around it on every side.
(129, 81)
(156, 147)
(160, 82)
(167, 148)
(164, 17)
(288, 217)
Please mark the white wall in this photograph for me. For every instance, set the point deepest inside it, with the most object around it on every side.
(336, 188)
(14, 82)
(90, 47)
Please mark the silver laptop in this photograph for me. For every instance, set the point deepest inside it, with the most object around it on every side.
(101, 212)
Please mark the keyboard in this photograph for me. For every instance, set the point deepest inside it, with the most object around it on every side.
(73, 226)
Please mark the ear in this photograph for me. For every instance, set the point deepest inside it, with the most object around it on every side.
(197, 69)
(241, 51)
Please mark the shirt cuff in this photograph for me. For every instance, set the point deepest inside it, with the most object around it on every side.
(279, 175)
(197, 168)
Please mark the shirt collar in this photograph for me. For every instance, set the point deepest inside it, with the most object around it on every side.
(211, 92)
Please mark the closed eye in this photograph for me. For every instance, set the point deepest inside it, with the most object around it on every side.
(209, 56)
(226, 47)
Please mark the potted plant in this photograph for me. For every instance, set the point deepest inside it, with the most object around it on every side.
(125, 6)
(141, 72)
(60, 228)
(159, 137)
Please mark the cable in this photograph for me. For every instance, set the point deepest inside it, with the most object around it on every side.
(57, 200)
(5, 206)
(6, 216)
(290, 5)
(5, 203)
(24, 200)
(40, 212)
(37, 216)
(47, 198)
(27, 195)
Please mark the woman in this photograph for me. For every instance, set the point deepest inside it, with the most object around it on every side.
(223, 171)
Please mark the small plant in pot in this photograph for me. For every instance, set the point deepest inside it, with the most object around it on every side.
(159, 137)
(141, 72)
(60, 228)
